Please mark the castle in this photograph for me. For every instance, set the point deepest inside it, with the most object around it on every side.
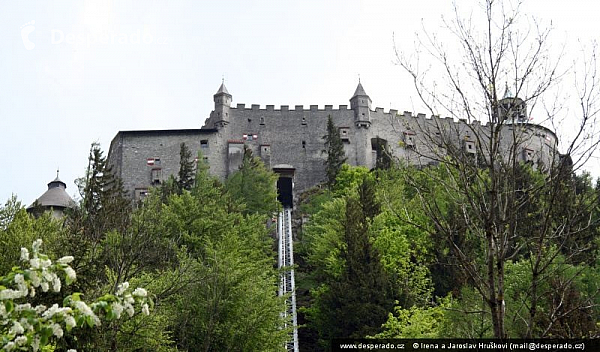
(290, 140)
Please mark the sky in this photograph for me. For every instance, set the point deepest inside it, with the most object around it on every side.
(77, 72)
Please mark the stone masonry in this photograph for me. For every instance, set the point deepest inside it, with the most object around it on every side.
(290, 140)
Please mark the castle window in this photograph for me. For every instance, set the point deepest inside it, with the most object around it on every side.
(409, 139)
(304, 120)
(140, 193)
(262, 120)
(156, 176)
(204, 144)
(528, 155)
(345, 134)
(470, 147)
(304, 144)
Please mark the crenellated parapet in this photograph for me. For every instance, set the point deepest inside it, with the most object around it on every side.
(293, 135)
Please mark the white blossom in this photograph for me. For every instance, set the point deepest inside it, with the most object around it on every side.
(45, 263)
(65, 260)
(72, 350)
(140, 292)
(70, 273)
(35, 344)
(36, 245)
(85, 310)
(34, 263)
(11, 294)
(17, 328)
(117, 309)
(24, 254)
(40, 309)
(22, 307)
(57, 330)
(70, 321)
(129, 299)
(45, 286)
(121, 288)
(9, 346)
(145, 309)
(35, 278)
(129, 309)
(56, 284)
(21, 340)
(19, 279)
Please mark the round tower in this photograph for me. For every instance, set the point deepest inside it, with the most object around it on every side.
(55, 199)
(361, 104)
(512, 109)
(222, 101)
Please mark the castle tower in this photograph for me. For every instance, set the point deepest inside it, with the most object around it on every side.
(222, 101)
(512, 109)
(361, 104)
(55, 199)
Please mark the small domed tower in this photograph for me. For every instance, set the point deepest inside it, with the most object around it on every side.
(361, 104)
(55, 199)
(512, 109)
(222, 107)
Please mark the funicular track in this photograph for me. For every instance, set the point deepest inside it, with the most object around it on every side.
(286, 261)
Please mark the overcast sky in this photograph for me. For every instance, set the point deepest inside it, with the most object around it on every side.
(76, 72)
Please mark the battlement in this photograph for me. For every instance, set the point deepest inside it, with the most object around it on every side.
(312, 108)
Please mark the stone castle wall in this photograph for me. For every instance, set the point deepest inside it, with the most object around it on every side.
(293, 136)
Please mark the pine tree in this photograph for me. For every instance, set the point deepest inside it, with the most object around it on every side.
(186, 175)
(105, 203)
(356, 304)
(254, 185)
(334, 148)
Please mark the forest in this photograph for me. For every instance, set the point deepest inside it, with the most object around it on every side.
(373, 259)
(472, 244)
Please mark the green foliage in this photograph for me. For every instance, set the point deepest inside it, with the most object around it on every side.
(353, 297)
(25, 326)
(9, 210)
(349, 178)
(185, 179)
(22, 230)
(416, 322)
(254, 185)
(334, 147)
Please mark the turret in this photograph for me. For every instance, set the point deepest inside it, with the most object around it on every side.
(361, 104)
(222, 107)
(512, 109)
(55, 199)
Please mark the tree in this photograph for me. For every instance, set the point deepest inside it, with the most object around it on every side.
(185, 179)
(483, 193)
(254, 185)
(353, 299)
(28, 327)
(334, 148)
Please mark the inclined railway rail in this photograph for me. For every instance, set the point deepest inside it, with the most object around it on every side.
(285, 264)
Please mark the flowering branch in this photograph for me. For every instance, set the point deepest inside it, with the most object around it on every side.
(25, 327)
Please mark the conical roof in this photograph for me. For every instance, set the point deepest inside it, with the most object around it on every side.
(56, 196)
(359, 91)
(508, 93)
(222, 89)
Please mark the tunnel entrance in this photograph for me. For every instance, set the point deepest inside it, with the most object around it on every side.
(284, 192)
(285, 184)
